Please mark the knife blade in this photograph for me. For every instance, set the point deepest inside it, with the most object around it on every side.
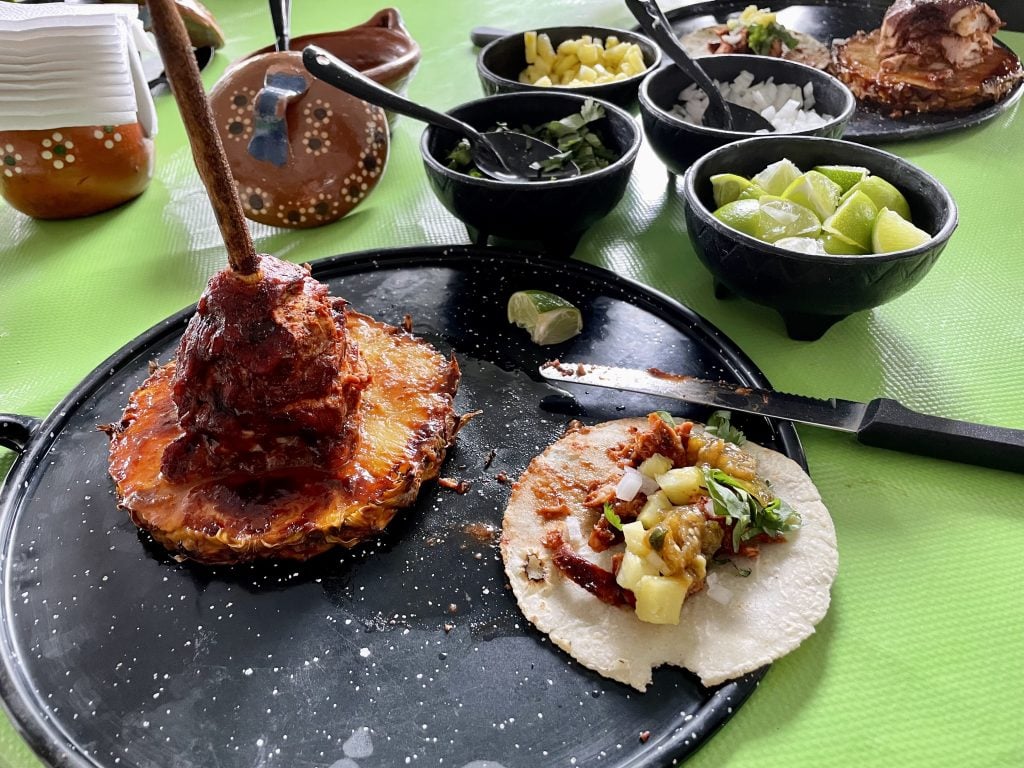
(882, 422)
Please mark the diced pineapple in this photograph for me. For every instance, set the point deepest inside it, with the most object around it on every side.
(582, 62)
(632, 569)
(653, 509)
(681, 484)
(636, 538)
(635, 58)
(588, 54)
(566, 63)
(655, 465)
(659, 599)
(545, 50)
(530, 44)
(543, 81)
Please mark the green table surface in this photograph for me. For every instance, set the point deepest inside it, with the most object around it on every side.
(920, 660)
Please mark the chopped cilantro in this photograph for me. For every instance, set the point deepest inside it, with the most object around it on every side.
(611, 517)
(761, 36)
(666, 417)
(719, 425)
(750, 518)
(575, 139)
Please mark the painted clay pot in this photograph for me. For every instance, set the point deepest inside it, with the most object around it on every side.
(71, 172)
(381, 48)
(302, 153)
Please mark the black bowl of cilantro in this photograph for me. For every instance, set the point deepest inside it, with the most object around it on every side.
(602, 139)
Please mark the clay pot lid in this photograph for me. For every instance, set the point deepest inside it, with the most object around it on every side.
(381, 48)
(302, 153)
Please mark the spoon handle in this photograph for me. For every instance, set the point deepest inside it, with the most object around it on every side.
(654, 23)
(280, 14)
(334, 71)
(481, 36)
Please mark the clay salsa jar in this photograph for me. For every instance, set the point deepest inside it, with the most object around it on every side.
(304, 153)
(68, 172)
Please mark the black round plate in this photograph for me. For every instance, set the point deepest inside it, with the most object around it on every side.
(409, 650)
(827, 20)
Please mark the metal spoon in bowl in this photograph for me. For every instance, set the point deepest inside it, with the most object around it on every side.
(720, 113)
(505, 156)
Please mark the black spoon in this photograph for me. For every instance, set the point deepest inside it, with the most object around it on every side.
(505, 156)
(720, 113)
(280, 14)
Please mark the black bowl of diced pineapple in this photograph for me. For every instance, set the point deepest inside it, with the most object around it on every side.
(796, 98)
(815, 228)
(599, 62)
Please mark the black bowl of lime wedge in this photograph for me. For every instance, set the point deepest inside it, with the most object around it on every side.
(815, 228)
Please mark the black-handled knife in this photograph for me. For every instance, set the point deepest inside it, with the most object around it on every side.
(883, 423)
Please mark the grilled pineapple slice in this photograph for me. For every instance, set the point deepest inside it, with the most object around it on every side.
(406, 422)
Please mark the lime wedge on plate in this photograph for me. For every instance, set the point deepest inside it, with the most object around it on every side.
(854, 220)
(728, 187)
(843, 175)
(894, 233)
(883, 194)
(816, 192)
(776, 177)
(550, 319)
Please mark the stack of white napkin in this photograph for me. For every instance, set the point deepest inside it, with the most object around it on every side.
(64, 65)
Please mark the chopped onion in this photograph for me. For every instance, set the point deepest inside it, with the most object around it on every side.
(634, 482)
(630, 484)
(719, 594)
(572, 527)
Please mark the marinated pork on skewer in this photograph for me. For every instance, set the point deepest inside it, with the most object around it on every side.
(287, 423)
(929, 56)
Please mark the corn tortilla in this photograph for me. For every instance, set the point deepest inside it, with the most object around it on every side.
(771, 610)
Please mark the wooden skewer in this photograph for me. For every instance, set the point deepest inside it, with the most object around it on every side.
(207, 150)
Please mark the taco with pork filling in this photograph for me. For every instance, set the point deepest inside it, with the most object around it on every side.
(642, 542)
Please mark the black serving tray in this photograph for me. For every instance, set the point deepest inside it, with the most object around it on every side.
(408, 650)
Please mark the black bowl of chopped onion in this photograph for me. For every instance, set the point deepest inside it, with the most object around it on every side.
(798, 99)
(554, 213)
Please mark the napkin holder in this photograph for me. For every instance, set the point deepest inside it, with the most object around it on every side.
(77, 120)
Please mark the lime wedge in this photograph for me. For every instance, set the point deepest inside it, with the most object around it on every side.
(837, 245)
(783, 218)
(894, 233)
(753, 192)
(801, 245)
(741, 215)
(883, 194)
(776, 177)
(815, 191)
(853, 220)
(728, 187)
(843, 175)
(550, 319)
